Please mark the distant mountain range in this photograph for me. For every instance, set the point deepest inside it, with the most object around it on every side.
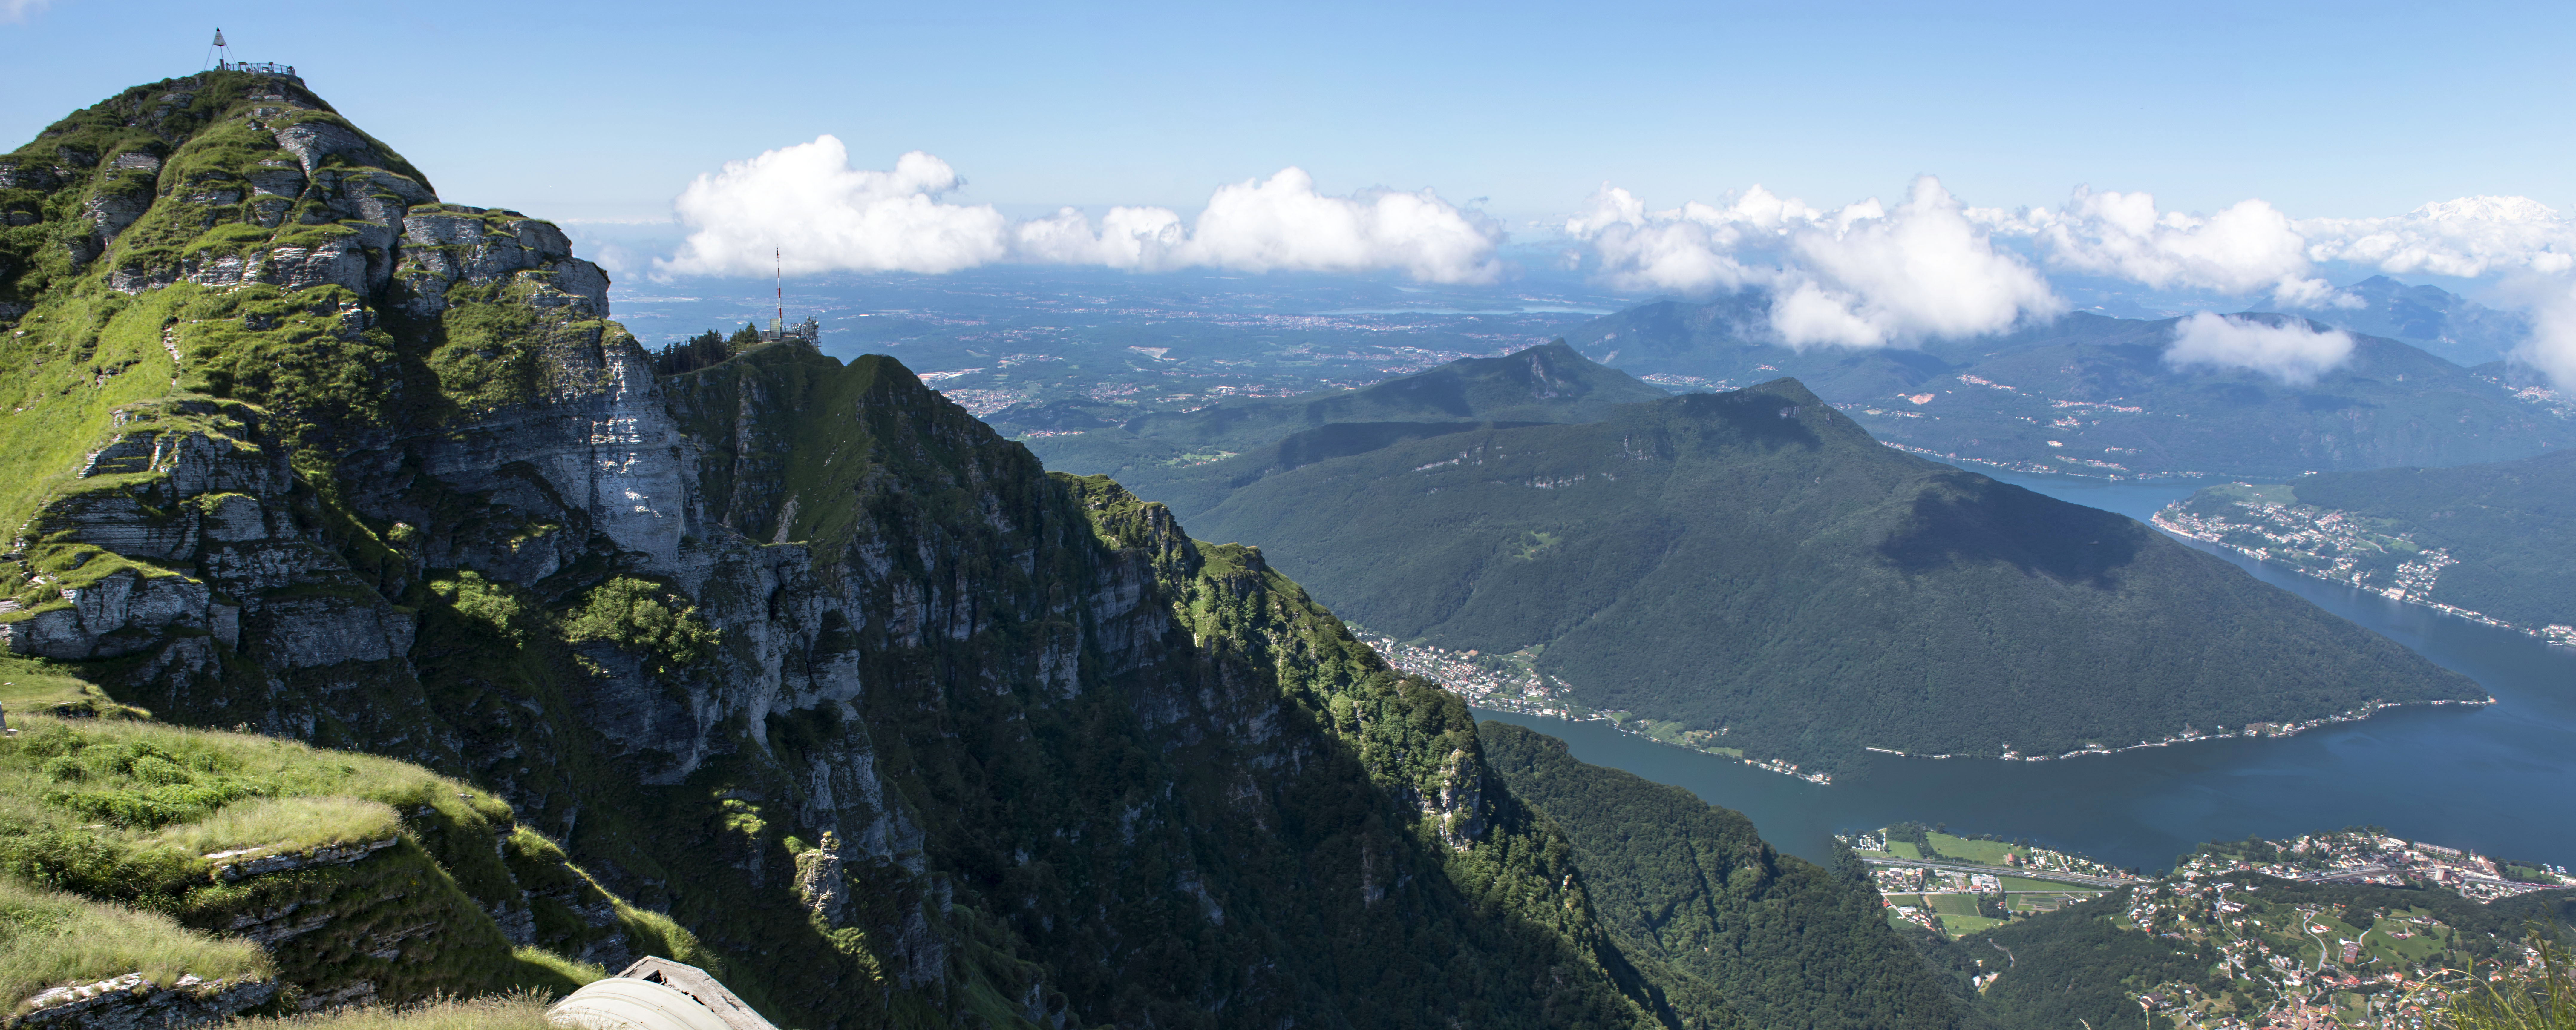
(2092, 395)
(2496, 540)
(2443, 323)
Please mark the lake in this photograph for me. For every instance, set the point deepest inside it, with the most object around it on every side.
(2500, 779)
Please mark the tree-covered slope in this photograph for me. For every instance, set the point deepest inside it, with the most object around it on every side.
(1166, 456)
(1789, 944)
(1754, 563)
(2093, 395)
(786, 658)
(2494, 539)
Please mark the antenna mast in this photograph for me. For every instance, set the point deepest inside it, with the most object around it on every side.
(779, 255)
(222, 55)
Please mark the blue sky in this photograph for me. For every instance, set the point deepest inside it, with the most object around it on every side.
(601, 111)
(1889, 173)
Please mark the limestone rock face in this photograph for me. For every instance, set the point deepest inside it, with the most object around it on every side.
(130, 1002)
(451, 244)
(119, 614)
(313, 141)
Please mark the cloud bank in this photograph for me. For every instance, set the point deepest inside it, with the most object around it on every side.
(2247, 248)
(1860, 276)
(2290, 351)
(2468, 237)
(806, 201)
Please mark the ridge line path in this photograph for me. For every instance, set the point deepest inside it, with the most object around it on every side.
(2027, 874)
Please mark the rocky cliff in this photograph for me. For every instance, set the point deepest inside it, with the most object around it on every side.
(905, 730)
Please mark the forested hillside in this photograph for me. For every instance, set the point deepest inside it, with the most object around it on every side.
(1191, 459)
(1752, 564)
(1692, 885)
(2497, 539)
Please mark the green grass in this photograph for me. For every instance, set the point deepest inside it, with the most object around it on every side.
(31, 685)
(1954, 904)
(1961, 926)
(124, 812)
(1905, 849)
(1984, 852)
(49, 938)
(288, 824)
(540, 963)
(518, 1011)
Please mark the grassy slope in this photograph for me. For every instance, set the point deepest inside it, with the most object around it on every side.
(49, 938)
(1755, 560)
(1790, 945)
(119, 815)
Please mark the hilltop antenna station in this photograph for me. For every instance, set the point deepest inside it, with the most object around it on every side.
(807, 332)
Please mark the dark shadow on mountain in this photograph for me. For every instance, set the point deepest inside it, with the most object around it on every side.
(1441, 390)
(1765, 416)
(1967, 519)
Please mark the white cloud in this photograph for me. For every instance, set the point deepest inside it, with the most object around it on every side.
(2288, 350)
(1690, 249)
(1284, 223)
(807, 201)
(19, 10)
(1137, 238)
(2468, 237)
(2248, 248)
(2552, 345)
(1861, 276)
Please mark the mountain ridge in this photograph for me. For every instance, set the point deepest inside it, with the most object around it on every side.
(1695, 561)
(2091, 395)
(1165, 455)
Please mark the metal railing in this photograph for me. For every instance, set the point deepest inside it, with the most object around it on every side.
(257, 68)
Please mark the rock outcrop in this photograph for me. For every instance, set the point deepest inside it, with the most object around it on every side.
(131, 1002)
